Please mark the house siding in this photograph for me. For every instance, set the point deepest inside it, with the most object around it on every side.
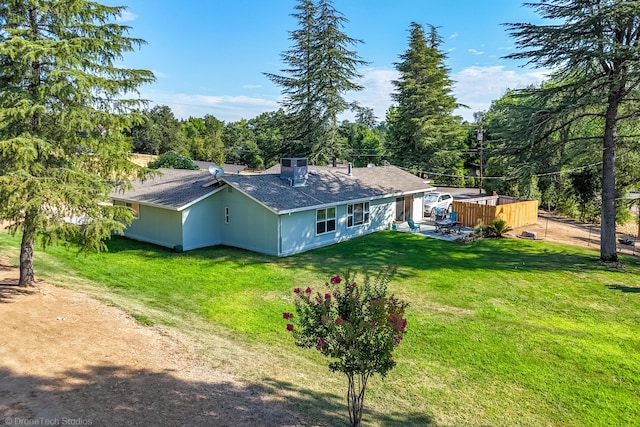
(201, 223)
(251, 226)
(159, 226)
(298, 230)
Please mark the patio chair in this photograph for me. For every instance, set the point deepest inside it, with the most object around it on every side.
(441, 213)
(413, 226)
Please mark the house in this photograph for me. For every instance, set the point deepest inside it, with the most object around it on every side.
(285, 210)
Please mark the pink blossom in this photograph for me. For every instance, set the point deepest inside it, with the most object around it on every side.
(351, 286)
(296, 290)
(318, 299)
(336, 279)
(308, 290)
(398, 339)
(327, 296)
(289, 327)
(287, 316)
(373, 323)
(339, 320)
(321, 343)
(390, 356)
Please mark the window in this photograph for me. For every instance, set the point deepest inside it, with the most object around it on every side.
(357, 214)
(325, 220)
(135, 208)
(226, 215)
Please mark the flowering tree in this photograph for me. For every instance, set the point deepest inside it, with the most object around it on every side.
(356, 326)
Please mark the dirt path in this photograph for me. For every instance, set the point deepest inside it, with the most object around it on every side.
(69, 359)
(551, 228)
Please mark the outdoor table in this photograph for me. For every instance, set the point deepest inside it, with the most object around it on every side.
(448, 226)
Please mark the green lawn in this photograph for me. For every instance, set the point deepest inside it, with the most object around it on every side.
(500, 332)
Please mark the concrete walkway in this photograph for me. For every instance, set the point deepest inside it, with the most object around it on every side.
(428, 229)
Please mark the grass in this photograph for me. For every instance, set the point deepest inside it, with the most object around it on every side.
(501, 332)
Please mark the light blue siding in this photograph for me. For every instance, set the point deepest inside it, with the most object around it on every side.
(298, 230)
(251, 226)
(201, 223)
(158, 226)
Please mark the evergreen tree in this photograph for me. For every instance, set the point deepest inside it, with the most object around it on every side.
(594, 48)
(321, 69)
(63, 106)
(424, 133)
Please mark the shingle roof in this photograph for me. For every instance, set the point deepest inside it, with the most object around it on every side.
(228, 168)
(175, 188)
(178, 188)
(329, 186)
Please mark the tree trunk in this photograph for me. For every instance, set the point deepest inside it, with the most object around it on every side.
(27, 277)
(608, 211)
(355, 398)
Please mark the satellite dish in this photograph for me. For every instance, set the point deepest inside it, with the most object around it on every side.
(216, 171)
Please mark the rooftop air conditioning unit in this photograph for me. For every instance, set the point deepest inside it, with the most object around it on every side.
(294, 170)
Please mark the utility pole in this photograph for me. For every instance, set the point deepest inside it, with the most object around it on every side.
(479, 136)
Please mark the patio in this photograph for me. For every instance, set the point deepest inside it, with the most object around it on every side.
(428, 229)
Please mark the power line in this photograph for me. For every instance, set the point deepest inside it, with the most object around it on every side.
(505, 178)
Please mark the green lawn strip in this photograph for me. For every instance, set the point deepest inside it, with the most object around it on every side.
(500, 331)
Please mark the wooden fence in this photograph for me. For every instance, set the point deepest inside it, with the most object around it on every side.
(484, 210)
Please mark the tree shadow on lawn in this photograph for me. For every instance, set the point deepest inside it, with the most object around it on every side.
(625, 289)
(374, 251)
(309, 400)
(117, 395)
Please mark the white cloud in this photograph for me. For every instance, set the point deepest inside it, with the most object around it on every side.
(126, 16)
(476, 87)
(453, 36)
(377, 91)
(223, 107)
(476, 52)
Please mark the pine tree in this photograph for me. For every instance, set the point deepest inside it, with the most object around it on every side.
(63, 105)
(594, 48)
(321, 69)
(424, 133)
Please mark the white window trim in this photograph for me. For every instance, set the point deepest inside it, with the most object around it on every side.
(366, 214)
(327, 219)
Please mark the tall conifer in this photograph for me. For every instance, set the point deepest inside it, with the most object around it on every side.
(424, 133)
(63, 104)
(321, 69)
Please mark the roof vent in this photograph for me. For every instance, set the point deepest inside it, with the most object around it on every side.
(294, 170)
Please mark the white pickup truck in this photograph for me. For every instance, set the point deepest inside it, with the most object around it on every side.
(437, 200)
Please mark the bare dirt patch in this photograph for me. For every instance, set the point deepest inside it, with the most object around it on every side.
(553, 228)
(68, 357)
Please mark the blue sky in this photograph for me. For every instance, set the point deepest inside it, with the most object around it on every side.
(209, 56)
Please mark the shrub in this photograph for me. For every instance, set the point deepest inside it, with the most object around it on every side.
(356, 326)
(173, 160)
(498, 228)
